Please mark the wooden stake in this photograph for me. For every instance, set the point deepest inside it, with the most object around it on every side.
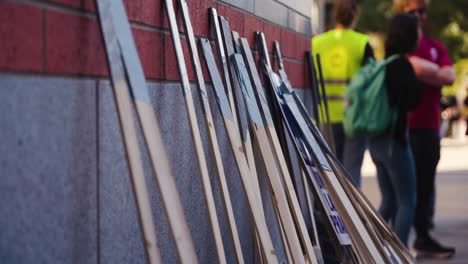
(241, 162)
(278, 155)
(310, 206)
(211, 130)
(123, 61)
(243, 124)
(268, 159)
(195, 131)
(224, 64)
(385, 233)
(361, 237)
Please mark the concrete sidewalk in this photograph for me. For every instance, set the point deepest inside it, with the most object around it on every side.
(451, 221)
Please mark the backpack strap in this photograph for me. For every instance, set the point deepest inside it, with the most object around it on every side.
(391, 58)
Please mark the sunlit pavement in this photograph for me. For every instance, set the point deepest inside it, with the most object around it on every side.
(451, 221)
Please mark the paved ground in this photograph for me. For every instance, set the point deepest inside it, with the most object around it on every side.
(451, 222)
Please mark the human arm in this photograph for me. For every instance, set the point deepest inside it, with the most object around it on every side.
(430, 73)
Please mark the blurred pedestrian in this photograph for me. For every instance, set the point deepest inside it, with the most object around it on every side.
(433, 69)
(343, 51)
(465, 113)
(391, 151)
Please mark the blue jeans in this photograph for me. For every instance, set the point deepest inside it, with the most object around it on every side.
(353, 156)
(397, 181)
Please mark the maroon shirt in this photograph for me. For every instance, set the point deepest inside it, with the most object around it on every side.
(427, 114)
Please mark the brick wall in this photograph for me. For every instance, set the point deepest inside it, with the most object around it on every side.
(62, 36)
(64, 182)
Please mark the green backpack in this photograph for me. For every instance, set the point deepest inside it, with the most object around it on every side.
(366, 111)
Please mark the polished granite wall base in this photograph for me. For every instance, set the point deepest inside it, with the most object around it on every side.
(65, 193)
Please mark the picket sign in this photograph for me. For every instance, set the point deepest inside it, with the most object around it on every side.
(195, 132)
(388, 239)
(385, 240)
(209, 124)
(321, 189)
(216, 30)
(368, 251)
(129, 84)
(229, 43)
(253, 197)
(277, 136)
(277, 151)
(268, 159)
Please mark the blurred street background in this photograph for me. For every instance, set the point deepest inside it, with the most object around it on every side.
(451, 220)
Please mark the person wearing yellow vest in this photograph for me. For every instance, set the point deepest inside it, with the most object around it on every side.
(343, 51)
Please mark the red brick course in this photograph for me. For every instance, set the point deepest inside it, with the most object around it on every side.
(21, 37)
(171, 68)
(272, 34)
(236, 18)
(74, 45)
(133, 9)
(295, 71)
(199, 15)
(41, 39)
(153, 13)
(151, 49)
(288, 43)
(72, 3)
(252, 25)
(303, 45)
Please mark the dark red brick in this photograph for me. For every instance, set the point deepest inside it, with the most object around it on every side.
(165, 20)
(272, 34)
(21, 31)
(252, 25)
(150, 47)
(133, 9)
(288, 44)
(236, 18)
(71, 3)
(303, 44)
(74, 45)
(81, 4)
(153, 12)
(171, 68)
(200, 16)
(90, 5)
(295, 73)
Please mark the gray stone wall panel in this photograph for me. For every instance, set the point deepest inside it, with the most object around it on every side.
(119, 224)
(247, 5)
(48, 170)
(302, 6)
(120, 235)
(299, 23)
(272, 11)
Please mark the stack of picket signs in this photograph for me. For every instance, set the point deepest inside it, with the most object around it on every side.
(251, 113)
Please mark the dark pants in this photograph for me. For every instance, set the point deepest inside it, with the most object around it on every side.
(425, 144)
(339, 138)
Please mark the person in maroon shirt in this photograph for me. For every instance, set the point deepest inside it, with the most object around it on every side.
(433, 69)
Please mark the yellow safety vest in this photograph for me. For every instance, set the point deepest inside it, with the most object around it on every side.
(341, 54)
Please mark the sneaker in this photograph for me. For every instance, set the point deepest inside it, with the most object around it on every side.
(427, 247)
